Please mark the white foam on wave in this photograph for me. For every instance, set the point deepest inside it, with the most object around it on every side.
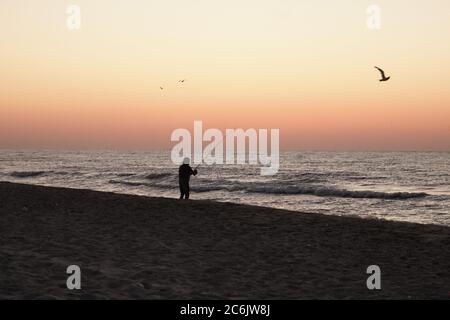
(306, 189)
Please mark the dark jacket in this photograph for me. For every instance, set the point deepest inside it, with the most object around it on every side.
(185, 173)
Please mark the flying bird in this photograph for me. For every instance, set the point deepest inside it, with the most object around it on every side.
(383, 75)
(161, 88)
(182, 81)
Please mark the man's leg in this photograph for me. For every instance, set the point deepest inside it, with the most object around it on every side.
(184, 188)
(187, 191)
(181, 191)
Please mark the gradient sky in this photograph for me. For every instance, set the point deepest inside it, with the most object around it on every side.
(303, 66)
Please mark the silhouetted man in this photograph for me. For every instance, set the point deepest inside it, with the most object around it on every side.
(184, 174)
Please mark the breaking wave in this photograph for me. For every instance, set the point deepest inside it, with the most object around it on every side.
(130, 183)
(27, 174)
(323, 191)
(315, 190)
(125, 174)
(157, 176)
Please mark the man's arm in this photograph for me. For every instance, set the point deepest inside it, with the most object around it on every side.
(193, 172)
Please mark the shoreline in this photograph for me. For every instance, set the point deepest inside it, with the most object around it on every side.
(138, 247)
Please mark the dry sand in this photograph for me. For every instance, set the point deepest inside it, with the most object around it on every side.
(131, 247)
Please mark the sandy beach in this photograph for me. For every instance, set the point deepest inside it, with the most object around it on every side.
(131, 247)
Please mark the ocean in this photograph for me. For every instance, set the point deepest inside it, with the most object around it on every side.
(402, 186)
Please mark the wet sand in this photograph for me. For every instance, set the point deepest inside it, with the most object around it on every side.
(131, 247)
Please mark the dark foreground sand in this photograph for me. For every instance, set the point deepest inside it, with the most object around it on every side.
(152, 248)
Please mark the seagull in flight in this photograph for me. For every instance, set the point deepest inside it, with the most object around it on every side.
(182, 81)
(383, 76)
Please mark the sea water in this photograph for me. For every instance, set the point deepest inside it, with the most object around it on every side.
(402, 186)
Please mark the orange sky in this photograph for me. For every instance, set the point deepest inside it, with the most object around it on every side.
(304, 67)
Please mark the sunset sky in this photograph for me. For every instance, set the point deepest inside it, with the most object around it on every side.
(305, 67)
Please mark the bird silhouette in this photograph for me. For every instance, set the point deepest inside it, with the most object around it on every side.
(161, 88)
(182, 81)
(383, 75)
